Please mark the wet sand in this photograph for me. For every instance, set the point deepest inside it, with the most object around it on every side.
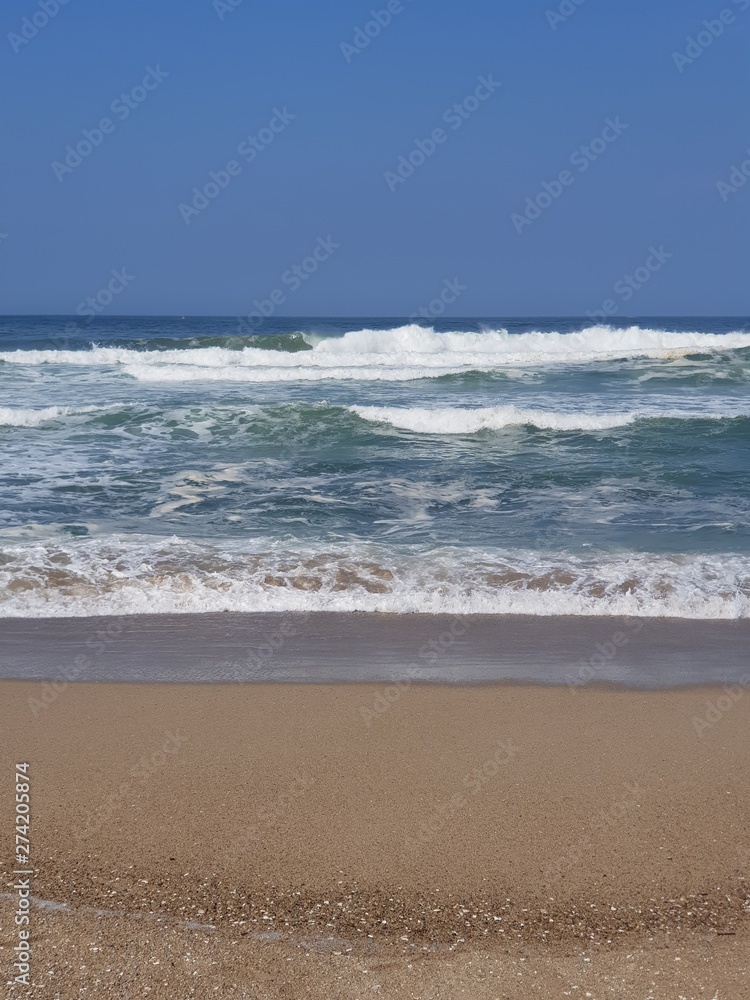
(322, 647)
(404, 840)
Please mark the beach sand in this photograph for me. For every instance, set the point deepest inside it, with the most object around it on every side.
(402, 840)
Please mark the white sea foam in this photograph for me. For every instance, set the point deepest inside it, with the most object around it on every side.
(404, 353)
(470, 420)
(249, 371)
(11, 416)
(208, 420)
(589, 344)
(115, 575)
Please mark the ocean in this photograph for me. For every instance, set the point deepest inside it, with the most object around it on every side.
(493, 466)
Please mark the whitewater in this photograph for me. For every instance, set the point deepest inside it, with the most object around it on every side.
(546, 467)
(401, 354)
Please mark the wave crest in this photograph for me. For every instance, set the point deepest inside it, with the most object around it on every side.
(471, 420)
(11, 416)
(399, 354)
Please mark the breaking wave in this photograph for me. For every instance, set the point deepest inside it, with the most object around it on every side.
(20, 417)
(273, 420)
(401, 354)
(470, 420)
(141, 574)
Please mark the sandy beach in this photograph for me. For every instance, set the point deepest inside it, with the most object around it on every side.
(496, 840)
(375, 502)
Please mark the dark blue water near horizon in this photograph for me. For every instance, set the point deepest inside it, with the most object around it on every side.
(20, 331)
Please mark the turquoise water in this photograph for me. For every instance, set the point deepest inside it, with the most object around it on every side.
(540, 466)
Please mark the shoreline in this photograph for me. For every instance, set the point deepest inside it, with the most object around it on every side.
(335, 647)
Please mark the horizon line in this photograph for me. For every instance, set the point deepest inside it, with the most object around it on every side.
(88, 320)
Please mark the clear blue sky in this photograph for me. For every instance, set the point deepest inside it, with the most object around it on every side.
(323, 175)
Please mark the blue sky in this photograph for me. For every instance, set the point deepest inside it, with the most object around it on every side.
(218, 73)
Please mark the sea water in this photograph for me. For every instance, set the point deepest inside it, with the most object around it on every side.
(543, 466)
